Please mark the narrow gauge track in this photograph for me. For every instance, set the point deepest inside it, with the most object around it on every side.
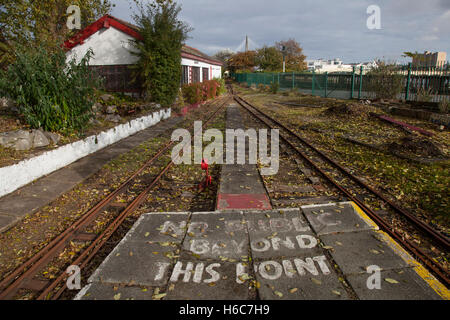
(23, 277)
(313, 157)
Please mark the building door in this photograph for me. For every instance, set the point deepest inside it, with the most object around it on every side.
(205, 74)
(195, 74)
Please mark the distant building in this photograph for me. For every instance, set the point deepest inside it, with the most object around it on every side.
(430, 59)
(336, 65)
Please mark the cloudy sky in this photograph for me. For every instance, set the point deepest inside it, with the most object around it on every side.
(324, 28)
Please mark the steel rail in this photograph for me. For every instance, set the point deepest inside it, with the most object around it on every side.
(436, 235)
(96, 245)
(10, 284)
(425, 258)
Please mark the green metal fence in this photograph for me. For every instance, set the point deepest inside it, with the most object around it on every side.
(428, 84)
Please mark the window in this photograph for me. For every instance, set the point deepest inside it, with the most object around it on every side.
(195, 74)
(205, 75)
(184, 75)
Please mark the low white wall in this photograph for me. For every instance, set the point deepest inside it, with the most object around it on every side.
(15, 176)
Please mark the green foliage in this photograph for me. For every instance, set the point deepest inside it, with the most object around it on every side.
(444, 105)
(295, 59)
(50, 93)
(274, 87)
(384, 81)
(261, 87)
(425, 94)
(192, 93)
(159, 53)
(269, 59)
(30, 22)
(222, 89)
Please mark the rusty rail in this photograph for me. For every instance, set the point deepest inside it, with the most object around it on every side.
(411, 247)
(24, 274)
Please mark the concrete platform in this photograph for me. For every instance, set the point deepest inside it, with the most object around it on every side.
(240, 186)
(32, 197)
(259, 254)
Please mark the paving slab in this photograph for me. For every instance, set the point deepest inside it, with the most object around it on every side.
(280, 234)
(309, 278)
(6, 220)
(336, 217)
(218, 237)
(355, 251)
(215, 281)
(102, 291)
(240, 185)
(18, 205)
(402, 284)
(140, 263)
(160, 227)
(216, 255)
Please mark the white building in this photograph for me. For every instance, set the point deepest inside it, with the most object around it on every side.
(109, 38)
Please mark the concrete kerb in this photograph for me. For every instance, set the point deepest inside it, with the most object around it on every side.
(26, 171)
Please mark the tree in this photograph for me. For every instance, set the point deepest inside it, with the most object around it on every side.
(224, 56)
(31, 23)
(49, 92)
(269, 59)
(242, 62)
(159, 52)
(295, 60)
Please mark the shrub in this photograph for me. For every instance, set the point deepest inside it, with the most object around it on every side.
(261, 87)
(444, 106)
(274, 87)
(385, 82)
(159, 53)
(50, 94)
(424, 95)
(222, 89)
(192, 93)
(198, 92)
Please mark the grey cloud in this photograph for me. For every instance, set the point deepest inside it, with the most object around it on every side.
(326, 28)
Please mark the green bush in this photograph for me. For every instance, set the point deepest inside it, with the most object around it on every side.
(444, 105)
(222, 89)
(274, 87)
(50, 94)
(198, 92)
(385, 82)
(159, 52)
(192, 93)
(425, 95)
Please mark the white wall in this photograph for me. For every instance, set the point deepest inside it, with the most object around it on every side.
(110, 46)
(216, 70)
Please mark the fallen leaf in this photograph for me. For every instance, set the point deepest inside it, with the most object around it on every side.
(393, 281)
(278, 293)
(159, 296)
(336, 292)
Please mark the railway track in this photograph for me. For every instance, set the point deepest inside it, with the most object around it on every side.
(355, 190)
(26, 275)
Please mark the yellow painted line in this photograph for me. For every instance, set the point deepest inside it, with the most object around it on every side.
(364, 216)
(431, 280)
